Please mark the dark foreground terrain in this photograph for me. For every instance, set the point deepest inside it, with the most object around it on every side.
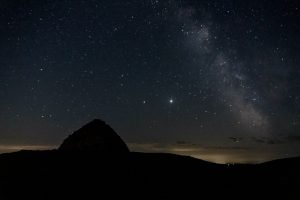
(94, 163)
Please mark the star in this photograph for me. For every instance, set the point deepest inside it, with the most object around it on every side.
(187, 70)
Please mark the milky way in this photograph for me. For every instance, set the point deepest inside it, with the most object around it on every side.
(218, 80)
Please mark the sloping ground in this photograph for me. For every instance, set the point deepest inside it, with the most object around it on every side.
(56, 175)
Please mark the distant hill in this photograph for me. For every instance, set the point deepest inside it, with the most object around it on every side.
(95, 136)
(94, 163)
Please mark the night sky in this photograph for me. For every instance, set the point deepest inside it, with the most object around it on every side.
(218, 80)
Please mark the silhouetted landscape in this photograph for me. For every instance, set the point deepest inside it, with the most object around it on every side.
(191, 99)
(95, 163)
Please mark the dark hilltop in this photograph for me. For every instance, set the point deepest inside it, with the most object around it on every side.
(95, 163)
(95, 136)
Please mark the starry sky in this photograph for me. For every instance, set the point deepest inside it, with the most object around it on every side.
(217, 80)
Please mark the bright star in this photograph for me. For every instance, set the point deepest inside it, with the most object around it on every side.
(171, 101)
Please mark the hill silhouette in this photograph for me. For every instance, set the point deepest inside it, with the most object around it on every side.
(94, 163)
(95, 137)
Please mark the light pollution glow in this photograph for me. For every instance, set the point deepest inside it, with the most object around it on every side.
(221, 155)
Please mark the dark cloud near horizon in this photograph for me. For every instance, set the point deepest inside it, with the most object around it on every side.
(267, 140)
(293, 138)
